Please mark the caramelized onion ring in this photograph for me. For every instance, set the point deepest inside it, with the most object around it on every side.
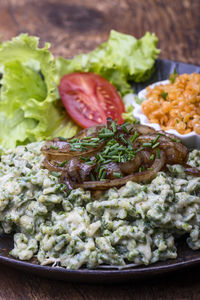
(76, 172)
(133, 165)
(62, 149)
(51, 167)
(176, 153)
(143, 129)
(138, 177)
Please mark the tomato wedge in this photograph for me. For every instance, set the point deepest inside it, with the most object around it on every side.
(90, 99)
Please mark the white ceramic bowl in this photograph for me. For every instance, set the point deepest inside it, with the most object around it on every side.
(191, 140)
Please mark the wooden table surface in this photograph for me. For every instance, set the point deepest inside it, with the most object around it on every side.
(78, 26)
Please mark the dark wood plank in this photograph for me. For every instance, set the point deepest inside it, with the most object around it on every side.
(78, 26)
(20, 286)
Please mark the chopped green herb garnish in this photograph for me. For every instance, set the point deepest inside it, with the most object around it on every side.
(107, 161)
(134, 137)
(130, 147)
(62, 138)
(172, 77)
(144, 188)
(92, 178)
(103, 175)
(164, 95)
(157, 138)
(123, 139)
(62, 187)
(91, 144)
(117, 149)
(141, 169)
(53, 147)
(155, 145)
(84, 158)
(123, 126)
(106, 134)
(77, 146)
(117, 175)
(175, 140)
(107, 149)
(100, 172)
(114, 152)
(83, 148)
(113, 125)
(138, 150)
(114, 146)
(73, 140)
(101, 157)
(68, 192)
(158, 153)
(152, 157)
(147, 144)
(56, 174)
(89, 162)
(62, 163)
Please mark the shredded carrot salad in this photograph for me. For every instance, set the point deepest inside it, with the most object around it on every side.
(175, 105)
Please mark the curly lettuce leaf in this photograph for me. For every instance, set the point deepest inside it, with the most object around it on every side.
(30, 109)
(128, 115)
(121, 59)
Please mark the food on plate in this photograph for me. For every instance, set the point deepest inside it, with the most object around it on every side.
(136, 224)
(175, 105)
(90, 99)
(108, 156)
(112, 195)
(30, 104)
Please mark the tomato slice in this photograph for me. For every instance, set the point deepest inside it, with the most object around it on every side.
(90, 99)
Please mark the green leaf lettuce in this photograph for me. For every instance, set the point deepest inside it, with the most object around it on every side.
(121, 59)
(29, 106)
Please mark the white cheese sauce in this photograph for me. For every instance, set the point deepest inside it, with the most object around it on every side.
(135, 224)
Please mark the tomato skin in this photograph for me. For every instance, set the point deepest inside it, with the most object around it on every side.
(90, 99)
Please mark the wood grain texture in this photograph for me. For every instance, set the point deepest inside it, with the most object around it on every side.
(20, 286)
(78, 26)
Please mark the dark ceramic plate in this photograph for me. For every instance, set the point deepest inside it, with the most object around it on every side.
(186, 257)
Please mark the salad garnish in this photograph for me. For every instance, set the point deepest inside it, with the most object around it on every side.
(30, 104)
